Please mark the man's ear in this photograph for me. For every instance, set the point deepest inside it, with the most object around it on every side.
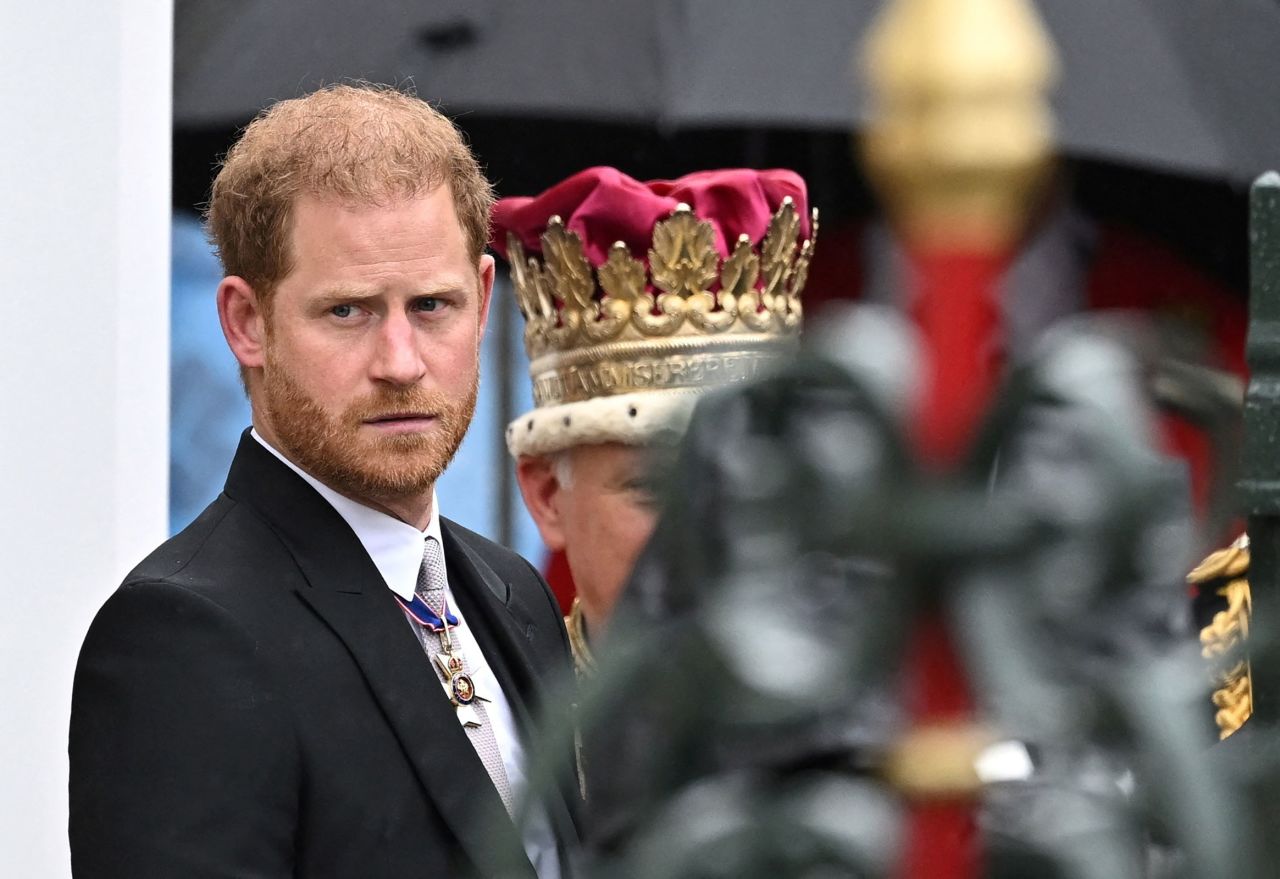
(243, 321)
(542, 496)
(487, 272)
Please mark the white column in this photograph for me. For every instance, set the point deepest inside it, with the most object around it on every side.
(84, 328)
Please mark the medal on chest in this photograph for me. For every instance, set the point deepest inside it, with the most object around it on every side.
(458, 685)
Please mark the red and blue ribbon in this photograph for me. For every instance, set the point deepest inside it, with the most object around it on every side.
(422, 613)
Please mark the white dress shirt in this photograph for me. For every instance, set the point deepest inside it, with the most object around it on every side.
(396, 549)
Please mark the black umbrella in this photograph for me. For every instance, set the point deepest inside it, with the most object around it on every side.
(559, 57)
(1191, 87)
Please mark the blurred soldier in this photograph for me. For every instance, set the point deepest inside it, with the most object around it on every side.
(638, 296)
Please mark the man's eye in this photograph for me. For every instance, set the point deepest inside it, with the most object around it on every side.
(644, 490)
(428, 303)
(342, 310)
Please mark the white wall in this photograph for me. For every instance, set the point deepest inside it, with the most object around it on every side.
(84, 269)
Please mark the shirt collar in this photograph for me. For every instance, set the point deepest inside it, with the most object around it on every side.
(394, 546)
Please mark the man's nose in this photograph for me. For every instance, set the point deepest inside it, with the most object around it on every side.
(398, 359)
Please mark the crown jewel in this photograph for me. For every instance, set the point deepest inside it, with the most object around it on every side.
(621, 328)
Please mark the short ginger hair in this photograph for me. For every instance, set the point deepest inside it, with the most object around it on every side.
(358, 144)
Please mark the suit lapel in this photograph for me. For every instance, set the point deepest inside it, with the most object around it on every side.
(348, 593)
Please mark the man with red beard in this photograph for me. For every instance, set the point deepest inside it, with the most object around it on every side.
(322, 677)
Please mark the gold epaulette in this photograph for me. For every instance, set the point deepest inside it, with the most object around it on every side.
(1228, 631)
(584, 662)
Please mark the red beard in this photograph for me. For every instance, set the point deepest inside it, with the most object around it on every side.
(358, 463)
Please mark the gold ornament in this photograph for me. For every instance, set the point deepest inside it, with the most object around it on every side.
(687, 321)
(938, 762)
(584, 661)
(962, 133)
(1228, 632)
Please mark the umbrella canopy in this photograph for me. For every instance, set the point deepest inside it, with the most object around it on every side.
(558, 57)
(1191, 87)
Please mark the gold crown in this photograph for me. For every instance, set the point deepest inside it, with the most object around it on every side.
(664, 329)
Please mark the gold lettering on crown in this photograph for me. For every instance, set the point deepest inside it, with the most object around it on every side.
(657, 371)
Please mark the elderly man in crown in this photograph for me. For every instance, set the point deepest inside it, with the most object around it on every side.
(637, 298)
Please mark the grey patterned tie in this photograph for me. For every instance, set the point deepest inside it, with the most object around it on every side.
(431, 583)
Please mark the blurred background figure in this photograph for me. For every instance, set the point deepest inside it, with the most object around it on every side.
(637, 297)
(939, 594)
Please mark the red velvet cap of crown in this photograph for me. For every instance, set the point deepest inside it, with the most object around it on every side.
(603, 205)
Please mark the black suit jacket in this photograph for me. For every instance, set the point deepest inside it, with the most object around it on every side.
(251, 703)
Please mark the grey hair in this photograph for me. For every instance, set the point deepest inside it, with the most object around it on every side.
(562, 466)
